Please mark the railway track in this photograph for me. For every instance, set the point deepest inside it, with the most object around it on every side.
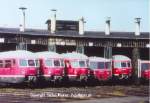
(63, 94)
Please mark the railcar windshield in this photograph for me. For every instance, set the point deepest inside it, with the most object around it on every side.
(28, 63)
(108, 65)
(117, 64)
(49, 63)
(122, 64)
(74, 64)
(57, 63)
(54, 63)
(79, 64)
(23, 63)
(100, 65)
(31, 63)
(145, 66)
(82, 64)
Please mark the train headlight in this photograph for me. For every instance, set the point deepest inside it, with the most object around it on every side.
(49, 72)
(22, 72)
(75, 72)
(108, 72)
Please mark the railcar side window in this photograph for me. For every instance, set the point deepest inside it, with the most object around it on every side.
(23, 62)
(56, 63)
(48, 63)
(7, 63)
(1, 64)
(31, 63)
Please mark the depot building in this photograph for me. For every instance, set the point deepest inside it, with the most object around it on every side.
(66, 36)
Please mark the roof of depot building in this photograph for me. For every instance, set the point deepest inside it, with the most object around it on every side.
(67, 33)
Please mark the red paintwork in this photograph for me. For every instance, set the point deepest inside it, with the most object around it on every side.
(102, 74)
(16, 71)
(122, 72)
(50, 72)
(75, 73)
(146, 74)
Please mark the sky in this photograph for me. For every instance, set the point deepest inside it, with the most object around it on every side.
(122, 13)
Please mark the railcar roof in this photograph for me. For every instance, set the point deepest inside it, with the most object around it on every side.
(74, 55)
(48, 54)
(100, 59)
(120, 57)
(144, 61)
(18, 54)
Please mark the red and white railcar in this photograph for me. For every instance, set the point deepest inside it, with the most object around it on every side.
(101, 67)
(18, 67)
(144, 69)
(51, 65)
(121, 67)
(76, 66)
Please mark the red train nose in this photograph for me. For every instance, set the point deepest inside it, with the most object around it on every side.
(31, 71)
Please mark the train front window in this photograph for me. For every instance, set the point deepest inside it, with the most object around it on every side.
(37, 63)
(57, 63)
(117, 64)
(23, 62)
(82, 64)
(93, 65)
(145, 66)
(101, 65)
(74, 64)
(129, 65)
(108, 65)
(62, 63)
(31, 63)
(48, 63)
(123, 64)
